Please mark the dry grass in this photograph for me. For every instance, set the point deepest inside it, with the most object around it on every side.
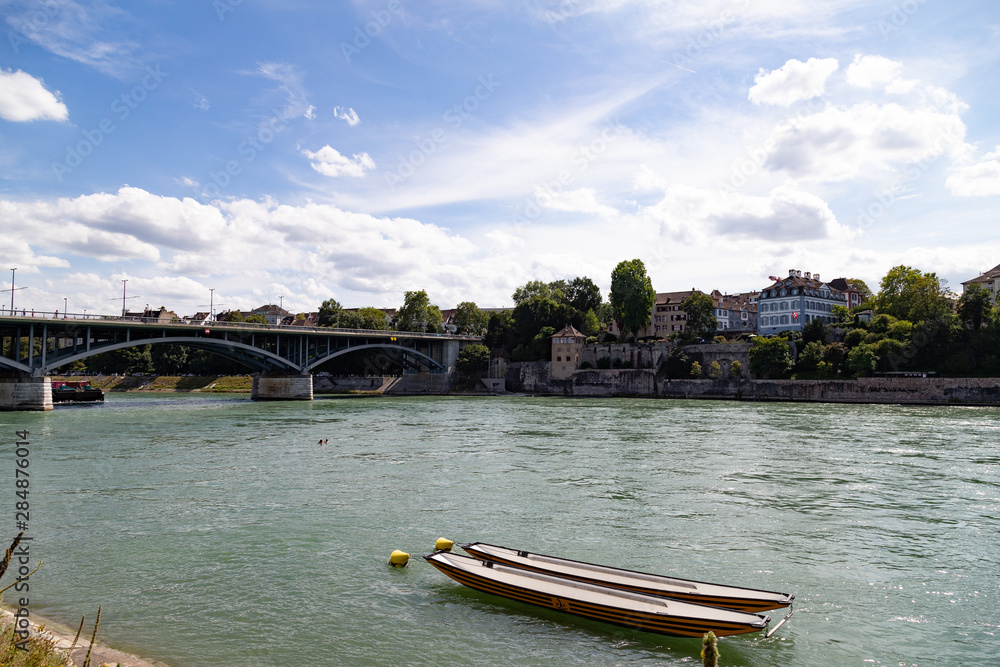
(41, 646)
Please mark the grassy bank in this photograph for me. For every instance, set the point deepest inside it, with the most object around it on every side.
(205, 383)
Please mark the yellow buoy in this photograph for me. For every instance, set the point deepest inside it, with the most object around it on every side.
(398, 558)
(443, 544)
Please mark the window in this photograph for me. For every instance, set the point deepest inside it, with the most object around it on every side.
(558, 358)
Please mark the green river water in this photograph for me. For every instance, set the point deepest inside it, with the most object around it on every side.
(216, 531)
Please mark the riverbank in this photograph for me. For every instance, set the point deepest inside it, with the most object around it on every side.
(62, 640)
(535, 378)
(235, 384)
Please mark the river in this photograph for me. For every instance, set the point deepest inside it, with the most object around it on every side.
(217, 531)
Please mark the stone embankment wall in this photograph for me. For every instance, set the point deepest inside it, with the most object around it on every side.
(337, 383)
(650, 355)
(534, 378)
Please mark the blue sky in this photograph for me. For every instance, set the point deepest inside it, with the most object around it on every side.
(307, 150)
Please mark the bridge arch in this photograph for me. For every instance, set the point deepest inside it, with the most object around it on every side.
(403, 351)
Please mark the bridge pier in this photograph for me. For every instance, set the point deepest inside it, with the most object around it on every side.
(26, 393)
(282, 388)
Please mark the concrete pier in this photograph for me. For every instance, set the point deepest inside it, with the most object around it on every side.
(25, 393)
(282, 388)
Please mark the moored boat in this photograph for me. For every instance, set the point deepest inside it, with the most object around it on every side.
(639, 611)
(75, 391)
(716, 595)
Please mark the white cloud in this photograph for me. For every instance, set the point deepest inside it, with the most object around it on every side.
(873, 71)
(200, 101)
(977, 180)
(347, 114)
(329, 162)
(24, 98)
(581, 200)
(785, 214)
(841, 143)
(89, 34)
(792, 82)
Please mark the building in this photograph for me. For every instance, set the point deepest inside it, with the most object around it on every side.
(990, 282)
(790, 303)
(272, 313)
(735, 313)
(854, 296)
(668, 317)
(566, 346)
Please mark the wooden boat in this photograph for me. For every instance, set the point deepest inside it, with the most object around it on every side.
(649, 613)
(716, 595)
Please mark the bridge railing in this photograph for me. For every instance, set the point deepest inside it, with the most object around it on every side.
(35, 315)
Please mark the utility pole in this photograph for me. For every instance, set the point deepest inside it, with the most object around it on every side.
(123, 297)
(12, 290)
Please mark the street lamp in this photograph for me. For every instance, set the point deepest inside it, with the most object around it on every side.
(12, 290)
(65, 301)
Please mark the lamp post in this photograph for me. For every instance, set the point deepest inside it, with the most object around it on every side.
(12, 290)
(65, 301)
(123, 297)
(211, 304)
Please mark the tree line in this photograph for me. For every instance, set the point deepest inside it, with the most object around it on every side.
(917, 325)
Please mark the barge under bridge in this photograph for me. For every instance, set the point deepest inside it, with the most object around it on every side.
(281, 357)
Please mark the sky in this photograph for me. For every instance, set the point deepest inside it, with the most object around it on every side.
(245, 152)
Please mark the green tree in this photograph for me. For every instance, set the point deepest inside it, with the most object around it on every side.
(469, 319)
(815, 330)
(835, 356)
(418, 314)
(695, 370)
(500, 331)
(530, 290)
(590, 325)
(632, 296)
(583, 295)
(862, 360)
(701, 319)
(349, 319)
(736, 369)
(809, 358)
(861, 286)
(909, 294)
(975, 307)
(255, 318)
(329, 313)
(373, 318)
(473, 359)
(840, 313)
(234, 316)
(770, 357)
(715, 370)
(169, 359)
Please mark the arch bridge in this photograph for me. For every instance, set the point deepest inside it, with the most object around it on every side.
(282, 357)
